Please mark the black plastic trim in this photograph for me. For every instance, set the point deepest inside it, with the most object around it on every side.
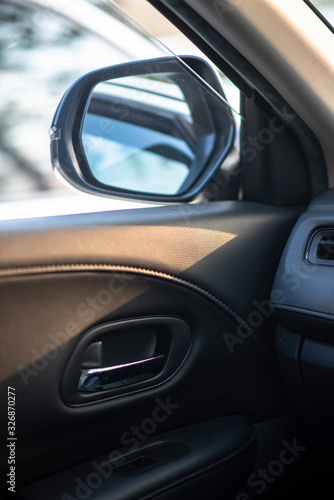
(319, 14)
(226, 445)
(243, 74)
(320, 249)
(173, 340)
(304, 285)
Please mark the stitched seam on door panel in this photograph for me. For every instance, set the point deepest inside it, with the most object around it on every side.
(54, 268)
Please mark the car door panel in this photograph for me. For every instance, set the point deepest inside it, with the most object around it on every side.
(78, 272)
(52, 425)
(213, 457)
(215, 246)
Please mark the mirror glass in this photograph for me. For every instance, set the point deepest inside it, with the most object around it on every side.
(150, 133)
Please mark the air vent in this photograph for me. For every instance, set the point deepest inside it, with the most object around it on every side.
(321, 248)
(325, 247)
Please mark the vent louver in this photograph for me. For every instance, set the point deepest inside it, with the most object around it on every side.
(321, 248)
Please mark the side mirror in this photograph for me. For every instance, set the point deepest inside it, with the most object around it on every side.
(148, 130)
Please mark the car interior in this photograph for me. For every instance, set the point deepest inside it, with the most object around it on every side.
(183, 350)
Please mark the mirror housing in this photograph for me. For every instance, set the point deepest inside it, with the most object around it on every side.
(149, 130)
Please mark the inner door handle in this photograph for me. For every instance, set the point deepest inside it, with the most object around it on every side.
(100, 379)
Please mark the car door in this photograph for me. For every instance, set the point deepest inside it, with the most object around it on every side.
(138, 346)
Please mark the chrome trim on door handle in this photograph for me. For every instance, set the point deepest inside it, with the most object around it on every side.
(109, 377)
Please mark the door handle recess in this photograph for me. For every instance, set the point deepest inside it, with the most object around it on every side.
(100, 379)
(123, 357)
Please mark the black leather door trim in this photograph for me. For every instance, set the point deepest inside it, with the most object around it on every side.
(226, 444)
(60, 268)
